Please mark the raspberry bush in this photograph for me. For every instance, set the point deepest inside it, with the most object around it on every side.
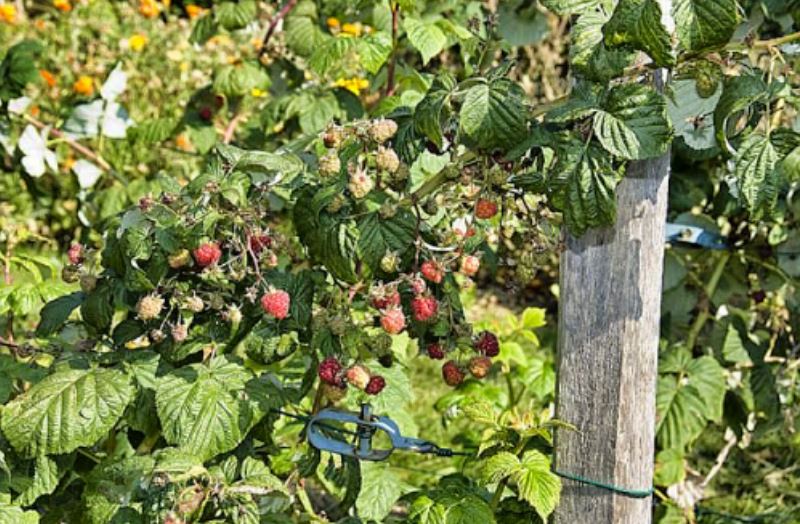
(224, 216)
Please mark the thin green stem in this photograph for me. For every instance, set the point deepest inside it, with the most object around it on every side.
(710, 289)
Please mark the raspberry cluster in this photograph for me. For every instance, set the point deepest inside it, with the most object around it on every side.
(335, 378)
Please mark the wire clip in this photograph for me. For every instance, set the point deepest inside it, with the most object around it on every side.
(367, 425)
(693, 235)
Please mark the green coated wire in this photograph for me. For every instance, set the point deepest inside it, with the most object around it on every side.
(632, 493)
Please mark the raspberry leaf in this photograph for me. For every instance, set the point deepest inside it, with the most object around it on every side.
(67, 410)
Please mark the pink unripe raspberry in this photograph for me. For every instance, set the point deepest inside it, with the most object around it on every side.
(207, 254)
(276, 303)
(393, 320)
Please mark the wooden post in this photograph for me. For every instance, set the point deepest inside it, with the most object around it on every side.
(608, 351)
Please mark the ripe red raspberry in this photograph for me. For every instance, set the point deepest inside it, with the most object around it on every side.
(485, 208)
(452, 374)
(470, 264)
(393, 320)
(207, 254)
(75, 254)
(424, 308)
(329, 370)
(276, 303)
(432, 271)
(435, 351)
(385, 296)
(480, 366)
(358, 376)
(259, 242)
(375, 385)
(487, 344)
(206, 113)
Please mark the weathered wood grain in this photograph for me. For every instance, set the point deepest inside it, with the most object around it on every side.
(607, 353)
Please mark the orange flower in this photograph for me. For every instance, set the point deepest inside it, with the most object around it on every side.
(62, 5)
(352, 29)
(333, 23)
(34, 111)
(48, 77)
(183, 143)
(8, 13)
(194, 11)
(39, 24)
(84, 85)
(149, 8)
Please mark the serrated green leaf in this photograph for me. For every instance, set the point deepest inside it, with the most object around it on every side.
(328, 239)
(582, 185)
(707, 376)
(569, 7)
(670, 467)
(240, 79)
(499, 466)
(633, 122)
(373, 51)
(704, 24)
(56, 312)
(681, 413)
(303, 35)
(589, 54)
(539, 486)
(638, 24)
(235, 15)
(203, 30)
(67, 410)
(45, 481)
(492, 114)
(733, 349)
(755, 171)
(330, 53)
(425, 36)
(16, 515)
(480, 411)
(691, 114)
(380, 489)
(431, 110)
(201, 407)
(19, 68)
(738, 93)
(379, 235)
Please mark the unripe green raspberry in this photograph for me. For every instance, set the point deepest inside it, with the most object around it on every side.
(194, 304)
(70, 274)
(390, 262)
(179, 259)
(149, 307)
(386, 159)
(360, 184)
(88, 283)
(382, 130)
(329, 164)
(336, 204)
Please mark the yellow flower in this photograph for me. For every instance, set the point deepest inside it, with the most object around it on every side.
(193, 11)
(8, 13)
(352, 29)
(354, 85)
(149, 8)
(84, 85)
(62, 5)
(333, 23)
(258, 93)
(137, 42)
